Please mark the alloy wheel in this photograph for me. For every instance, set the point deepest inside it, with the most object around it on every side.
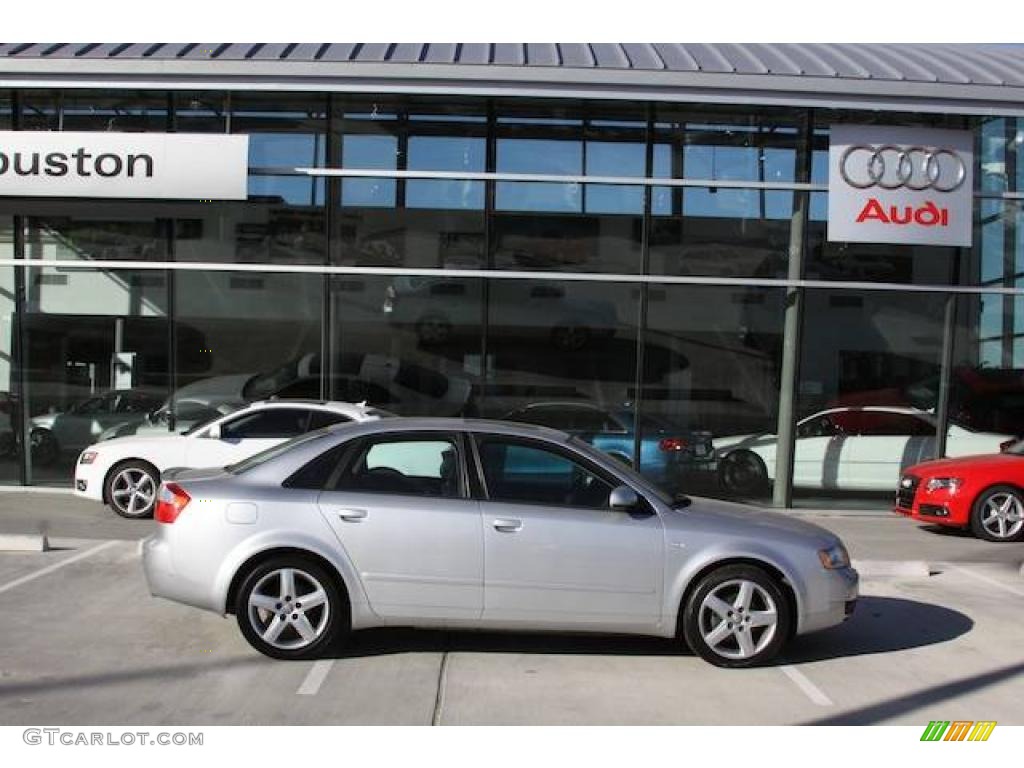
(133, 492)
(738, 619)
(288, 609)
(1002, 515)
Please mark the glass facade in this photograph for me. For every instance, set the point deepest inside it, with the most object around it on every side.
(615, 270)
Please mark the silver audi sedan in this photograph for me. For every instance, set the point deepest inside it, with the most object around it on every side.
(462, 523)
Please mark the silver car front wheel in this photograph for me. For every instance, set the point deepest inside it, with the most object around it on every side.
(290, 608)
(737, 617)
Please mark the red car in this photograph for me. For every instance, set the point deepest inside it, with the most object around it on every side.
(985, 493)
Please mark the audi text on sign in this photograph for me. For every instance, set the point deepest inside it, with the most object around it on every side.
(900, 185)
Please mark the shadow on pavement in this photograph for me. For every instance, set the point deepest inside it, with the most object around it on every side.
(881, 625)
(935, 694)
(152, 673)
(375, 642)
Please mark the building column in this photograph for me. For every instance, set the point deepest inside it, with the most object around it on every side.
(789, 374)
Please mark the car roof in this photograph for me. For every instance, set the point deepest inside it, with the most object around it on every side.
(455, 424)
(354, 410)
(877, 409)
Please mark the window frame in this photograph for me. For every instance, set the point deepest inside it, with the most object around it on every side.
(359, 445)
(558, 449)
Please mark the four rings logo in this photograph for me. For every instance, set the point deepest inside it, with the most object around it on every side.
(889, 166)
(900, 185)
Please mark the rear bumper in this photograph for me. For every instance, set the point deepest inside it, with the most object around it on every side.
(165, 581)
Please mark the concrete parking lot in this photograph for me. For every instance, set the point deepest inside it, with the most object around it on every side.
(82, 642)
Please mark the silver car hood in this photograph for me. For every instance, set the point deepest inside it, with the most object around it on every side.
(727, 518)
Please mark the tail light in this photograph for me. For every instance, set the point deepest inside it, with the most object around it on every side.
(672, 444)
(171, 501)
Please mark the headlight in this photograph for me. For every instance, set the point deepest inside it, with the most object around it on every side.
(951, 484)
(834, 557)
(87, 457)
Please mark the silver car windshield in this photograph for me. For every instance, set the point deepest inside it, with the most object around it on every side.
(262, 457)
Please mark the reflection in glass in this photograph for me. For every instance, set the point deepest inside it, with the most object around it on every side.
(410, 345)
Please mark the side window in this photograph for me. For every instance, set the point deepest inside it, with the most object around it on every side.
(820, 426)
(527, 473)
(316, 474)
(321, 419)
(414, 466)
(269, 423)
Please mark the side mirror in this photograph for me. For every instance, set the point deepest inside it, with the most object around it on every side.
(624, 499)
(213, 432)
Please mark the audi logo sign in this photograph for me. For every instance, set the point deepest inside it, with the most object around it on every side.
(186, 166)
(900, 185)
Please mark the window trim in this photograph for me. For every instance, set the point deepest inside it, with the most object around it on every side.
(552, 447)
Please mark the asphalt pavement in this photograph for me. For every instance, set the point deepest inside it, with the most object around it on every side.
(84, 643)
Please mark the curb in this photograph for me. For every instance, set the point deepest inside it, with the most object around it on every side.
(24, 543)
(908, 569)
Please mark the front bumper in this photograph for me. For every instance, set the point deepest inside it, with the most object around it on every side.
(834, 602)
(88, 482)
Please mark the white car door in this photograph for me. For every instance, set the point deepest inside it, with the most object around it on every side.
(881, 444)
(245, 434)
(555, 554)
(400, 507)
(819, 441)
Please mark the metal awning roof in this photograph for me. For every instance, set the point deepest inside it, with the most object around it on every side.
(968, 79)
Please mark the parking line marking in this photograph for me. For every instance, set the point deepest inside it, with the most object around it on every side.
(315, 678)
(813, 692)
(986, 579)
(56, 566)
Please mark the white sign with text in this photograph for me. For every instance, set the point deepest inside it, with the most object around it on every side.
(900, 185)
(169, 166)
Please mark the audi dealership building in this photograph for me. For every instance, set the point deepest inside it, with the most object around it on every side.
(813, 254)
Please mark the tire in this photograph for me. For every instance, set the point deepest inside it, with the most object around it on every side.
(723, 631)
(130, 489)
(998, 514)
(45, 448)
(743, 473)
(263, 593)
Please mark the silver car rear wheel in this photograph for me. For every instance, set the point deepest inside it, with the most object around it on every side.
(737, 616)
(290, 608)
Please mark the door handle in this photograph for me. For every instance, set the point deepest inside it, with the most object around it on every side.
(508, 525)
(352, 515)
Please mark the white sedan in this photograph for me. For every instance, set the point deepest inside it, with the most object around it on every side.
(125, 472)
(850, 448)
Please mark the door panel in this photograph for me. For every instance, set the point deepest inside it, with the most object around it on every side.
(563, 566)
(399, 507)
(555, 554)
(418, 558)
